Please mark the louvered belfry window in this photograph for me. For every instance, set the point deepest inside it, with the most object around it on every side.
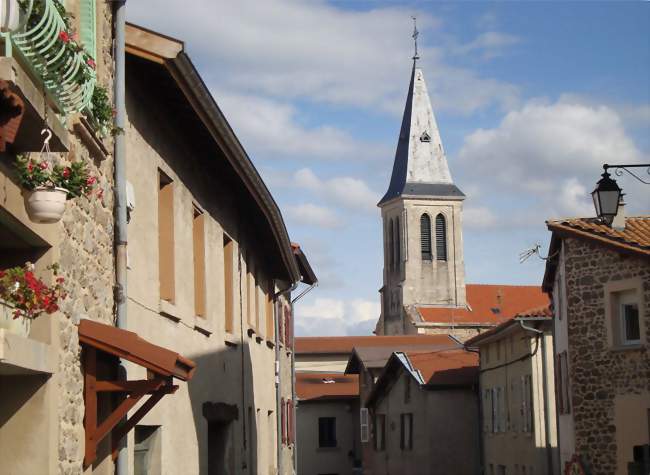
(441, 238)
(87, 26)
(398, 244)
(425, 237)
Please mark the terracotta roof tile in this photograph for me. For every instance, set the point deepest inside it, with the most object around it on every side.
(310, 386)
(345, 344)
(444, 368)
(635, 237)
(488, 305)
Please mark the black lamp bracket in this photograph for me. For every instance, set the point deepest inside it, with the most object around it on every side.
(619, 169)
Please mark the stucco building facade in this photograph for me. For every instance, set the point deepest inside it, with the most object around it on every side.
(599, 278)
(517, 391)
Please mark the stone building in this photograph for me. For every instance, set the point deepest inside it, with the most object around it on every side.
(203, 365)
(518, 418)
(424, 287)
(423, 414)
(41, 400)
(599, 279)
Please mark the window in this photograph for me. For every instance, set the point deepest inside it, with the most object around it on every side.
(88, 26)
(327, 431)
(495, 411)
(198, 239)
(398, 257)
(146, 450)
(228, 276)
(425, 138)
(379, 429)
(391, 244)
(501, 470)
(406, 431)
(562, 383)
(526, 403)
(270, 327)
(624, 301)
(441, 238)
(425, 237)
(283, 420)
(513, 407)
(364, 424)
(250, 289)
(166, 237)
(487, 410)
(257, 309)
(629, 319)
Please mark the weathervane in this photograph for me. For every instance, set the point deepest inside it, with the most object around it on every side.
(415, 38)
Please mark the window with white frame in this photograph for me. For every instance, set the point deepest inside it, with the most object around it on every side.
(562, 383)
(628, 316)
(624, 306)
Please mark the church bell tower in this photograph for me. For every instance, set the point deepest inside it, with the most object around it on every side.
(422, 220)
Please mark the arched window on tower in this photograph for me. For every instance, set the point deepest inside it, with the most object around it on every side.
(390, 247)
(398, 244)
(441, 238)
(425, 237)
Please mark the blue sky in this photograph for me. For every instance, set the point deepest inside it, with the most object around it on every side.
(531, 99)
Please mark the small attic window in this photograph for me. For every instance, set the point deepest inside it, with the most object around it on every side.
(496, 310)
(328, 381)
(425, 137)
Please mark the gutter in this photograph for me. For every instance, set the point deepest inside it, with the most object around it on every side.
(119, 84)
(547, 429)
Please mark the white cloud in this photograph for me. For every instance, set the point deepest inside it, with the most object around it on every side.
(552, 152)
(316, 50)
(314, 215)
(327, 316)
(489, 44)
(351, 193)
(480, 217)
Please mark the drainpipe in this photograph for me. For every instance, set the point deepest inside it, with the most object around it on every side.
(278, 376)
(547, 428)
(121, 465)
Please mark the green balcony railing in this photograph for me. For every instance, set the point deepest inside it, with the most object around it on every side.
(42, 44)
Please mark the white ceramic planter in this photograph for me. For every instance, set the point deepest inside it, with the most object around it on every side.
(46, 205)
(18, 326)
(10, 15)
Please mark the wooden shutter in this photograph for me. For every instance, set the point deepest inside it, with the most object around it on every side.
(559, 393)
(441, 238)
(364, 426)
(425, 237)
(88, 26)
(228, 276)
(198, 238)
(166, 238)
(270, 327)
(283, 418)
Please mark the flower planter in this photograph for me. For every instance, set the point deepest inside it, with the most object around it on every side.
(10, 15)
(46, 205)
(18, 326)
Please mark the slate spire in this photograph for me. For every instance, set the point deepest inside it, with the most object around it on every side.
(420, 167)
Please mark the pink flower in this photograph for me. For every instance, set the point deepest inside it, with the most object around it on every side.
(42, 165)
(91, 180)
(64, 36)
(91, 63)
(66, 172)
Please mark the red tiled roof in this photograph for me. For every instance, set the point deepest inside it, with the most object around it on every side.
(544, 312)
(488, 305)
(345, 344)
(310, 386)
(452, 367)
(635, 237)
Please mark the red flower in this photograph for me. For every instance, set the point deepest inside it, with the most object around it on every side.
(91, 63)
(30, 166)
(43, 165)
(66, 172)
(91, 180)
(64, 36)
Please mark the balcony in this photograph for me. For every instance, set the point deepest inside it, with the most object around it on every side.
(44, 73)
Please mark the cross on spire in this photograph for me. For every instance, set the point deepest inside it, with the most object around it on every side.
(415, 38)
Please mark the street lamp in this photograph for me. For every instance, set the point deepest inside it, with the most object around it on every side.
(607, 193)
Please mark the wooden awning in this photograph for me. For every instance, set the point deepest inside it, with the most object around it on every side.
(163, 366)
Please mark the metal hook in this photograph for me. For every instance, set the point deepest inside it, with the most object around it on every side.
(49, 136)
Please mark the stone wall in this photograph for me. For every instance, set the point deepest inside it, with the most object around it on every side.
(598, 373)
(86, 260)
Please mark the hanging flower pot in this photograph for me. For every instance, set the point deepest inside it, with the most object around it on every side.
(46, 204)
(10, 15)
(23, 297)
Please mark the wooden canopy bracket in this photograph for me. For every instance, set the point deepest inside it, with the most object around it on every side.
(156, 386)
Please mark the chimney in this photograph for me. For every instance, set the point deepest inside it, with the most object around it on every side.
(619, 220)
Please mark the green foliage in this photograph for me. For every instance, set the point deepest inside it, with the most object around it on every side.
(32, 173)
(100, 114)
